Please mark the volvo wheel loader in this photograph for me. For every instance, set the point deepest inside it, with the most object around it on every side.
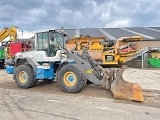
(50, 60)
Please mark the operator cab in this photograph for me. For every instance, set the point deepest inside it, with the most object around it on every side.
(50, 42)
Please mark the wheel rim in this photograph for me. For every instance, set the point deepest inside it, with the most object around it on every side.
(70, 79)
(23, 76)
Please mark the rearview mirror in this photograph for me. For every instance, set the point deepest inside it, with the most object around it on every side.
(64, 35)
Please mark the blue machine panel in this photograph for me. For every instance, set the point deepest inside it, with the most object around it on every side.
(10, 69)
(45, 73)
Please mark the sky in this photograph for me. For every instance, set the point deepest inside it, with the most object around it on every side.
(39, 15)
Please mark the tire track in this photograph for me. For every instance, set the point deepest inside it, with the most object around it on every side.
(13, 107)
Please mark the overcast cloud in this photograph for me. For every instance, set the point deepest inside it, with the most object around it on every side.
(34, 15)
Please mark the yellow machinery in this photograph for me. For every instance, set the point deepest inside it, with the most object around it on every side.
(95, 49)
(8, 32)
(106, 52)
(11, 32)
(121, 50)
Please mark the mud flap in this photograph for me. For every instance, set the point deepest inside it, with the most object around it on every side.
(124, 90)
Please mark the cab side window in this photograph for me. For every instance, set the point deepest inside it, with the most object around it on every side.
(43, 42)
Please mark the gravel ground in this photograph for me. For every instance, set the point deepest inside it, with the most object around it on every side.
(48, 101)
(148, 79)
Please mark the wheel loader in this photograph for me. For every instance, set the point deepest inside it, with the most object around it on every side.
(50, 60)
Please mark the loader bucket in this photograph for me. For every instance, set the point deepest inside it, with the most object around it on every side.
(124, 90)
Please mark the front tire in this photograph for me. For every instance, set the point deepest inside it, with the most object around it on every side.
(71, 78)
(24, 76)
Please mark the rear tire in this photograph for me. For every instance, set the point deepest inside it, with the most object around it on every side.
(2, 65)
(72, 78)
(24, 76)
